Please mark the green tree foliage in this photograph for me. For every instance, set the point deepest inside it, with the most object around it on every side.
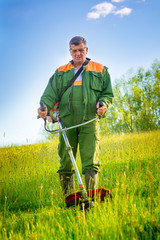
(136, 104)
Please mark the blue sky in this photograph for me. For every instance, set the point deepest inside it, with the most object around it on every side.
(34, 36)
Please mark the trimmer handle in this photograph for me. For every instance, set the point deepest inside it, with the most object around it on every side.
(100, 104)
(42, 106)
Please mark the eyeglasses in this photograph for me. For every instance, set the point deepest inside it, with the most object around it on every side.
(81, 50)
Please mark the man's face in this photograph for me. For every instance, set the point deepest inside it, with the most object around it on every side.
(78, 53)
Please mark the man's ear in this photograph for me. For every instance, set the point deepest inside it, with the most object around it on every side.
(70, 52)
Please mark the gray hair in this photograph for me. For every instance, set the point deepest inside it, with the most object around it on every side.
(77, 40)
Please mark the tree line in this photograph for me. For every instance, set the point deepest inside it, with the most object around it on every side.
(136, 105)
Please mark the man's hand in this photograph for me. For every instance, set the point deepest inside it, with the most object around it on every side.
(101, 109)
(42, 114)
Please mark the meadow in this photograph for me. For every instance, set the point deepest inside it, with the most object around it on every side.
(32, 205)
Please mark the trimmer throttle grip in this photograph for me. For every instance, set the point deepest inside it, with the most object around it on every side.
(100, 104)
(42, 106)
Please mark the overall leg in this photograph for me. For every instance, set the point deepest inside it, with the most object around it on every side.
(65, 161)
(66, 168)
(89, 151)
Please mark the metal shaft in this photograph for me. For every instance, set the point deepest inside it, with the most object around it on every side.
(70, 153)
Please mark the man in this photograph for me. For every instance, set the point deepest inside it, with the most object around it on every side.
(79, 103)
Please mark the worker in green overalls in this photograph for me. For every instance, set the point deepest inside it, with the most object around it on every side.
(79, 103)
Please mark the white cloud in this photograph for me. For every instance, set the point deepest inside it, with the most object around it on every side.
(93, 15)
(105, 8)
(102, 9)
(117, 1)
(123, 12)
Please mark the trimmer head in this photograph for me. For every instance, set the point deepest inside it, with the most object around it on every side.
(75, 199)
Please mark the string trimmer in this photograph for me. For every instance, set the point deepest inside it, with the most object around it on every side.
(83, 198)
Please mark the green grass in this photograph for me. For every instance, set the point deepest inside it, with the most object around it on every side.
(32, 205)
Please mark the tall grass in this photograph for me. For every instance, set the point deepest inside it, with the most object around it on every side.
(32, 205)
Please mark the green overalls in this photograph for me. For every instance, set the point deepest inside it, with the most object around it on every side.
(86, 136)
(78, 104)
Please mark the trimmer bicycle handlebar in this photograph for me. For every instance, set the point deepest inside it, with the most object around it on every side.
(58, 118)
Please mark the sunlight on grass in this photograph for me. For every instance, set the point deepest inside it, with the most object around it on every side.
(32, 205)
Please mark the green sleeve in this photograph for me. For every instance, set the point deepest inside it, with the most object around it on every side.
(106, 95)
(50, 95)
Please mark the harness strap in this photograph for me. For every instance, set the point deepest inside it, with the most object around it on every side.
(74, 78)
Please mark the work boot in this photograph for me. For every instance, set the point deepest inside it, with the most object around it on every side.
(67, 183)
(91, 178)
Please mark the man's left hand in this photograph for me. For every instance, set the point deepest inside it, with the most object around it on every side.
(101, 110)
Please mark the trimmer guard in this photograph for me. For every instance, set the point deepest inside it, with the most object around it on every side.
(98, 194)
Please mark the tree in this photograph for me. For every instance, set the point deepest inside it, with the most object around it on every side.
(136, 104)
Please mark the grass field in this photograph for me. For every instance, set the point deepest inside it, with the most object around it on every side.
(32, 205)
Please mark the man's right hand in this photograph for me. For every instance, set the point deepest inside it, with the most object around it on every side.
(42, 114)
